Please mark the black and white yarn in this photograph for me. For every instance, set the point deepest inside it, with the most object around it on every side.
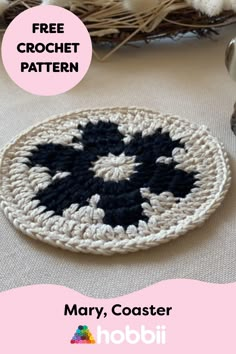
(112, 180)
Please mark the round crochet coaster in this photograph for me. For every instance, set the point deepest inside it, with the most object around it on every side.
(112, 180)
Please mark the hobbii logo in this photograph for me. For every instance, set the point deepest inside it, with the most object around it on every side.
(132, 336)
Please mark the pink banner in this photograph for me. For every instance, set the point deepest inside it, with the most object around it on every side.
(175, 316)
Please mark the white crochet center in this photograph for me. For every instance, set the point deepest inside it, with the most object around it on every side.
(114, 168)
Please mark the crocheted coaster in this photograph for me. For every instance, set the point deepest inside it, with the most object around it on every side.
(112, 180)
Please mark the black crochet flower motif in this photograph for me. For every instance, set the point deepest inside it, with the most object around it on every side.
(120, 200)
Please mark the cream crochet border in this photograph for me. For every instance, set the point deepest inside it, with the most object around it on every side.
(109, 247)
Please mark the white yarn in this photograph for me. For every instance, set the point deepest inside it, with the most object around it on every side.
(82, 229)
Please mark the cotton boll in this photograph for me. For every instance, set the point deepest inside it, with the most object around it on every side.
(208, 7)
(140, 5)
(214, 7)
(3, 6)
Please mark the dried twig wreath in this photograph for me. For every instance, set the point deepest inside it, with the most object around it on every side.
(114, 25)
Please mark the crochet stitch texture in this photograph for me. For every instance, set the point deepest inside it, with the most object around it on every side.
(112, 180)
(121, 199)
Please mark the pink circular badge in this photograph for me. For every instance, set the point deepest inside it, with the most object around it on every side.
(46, 50)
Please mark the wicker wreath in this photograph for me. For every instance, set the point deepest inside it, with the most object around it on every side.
(114, 25)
